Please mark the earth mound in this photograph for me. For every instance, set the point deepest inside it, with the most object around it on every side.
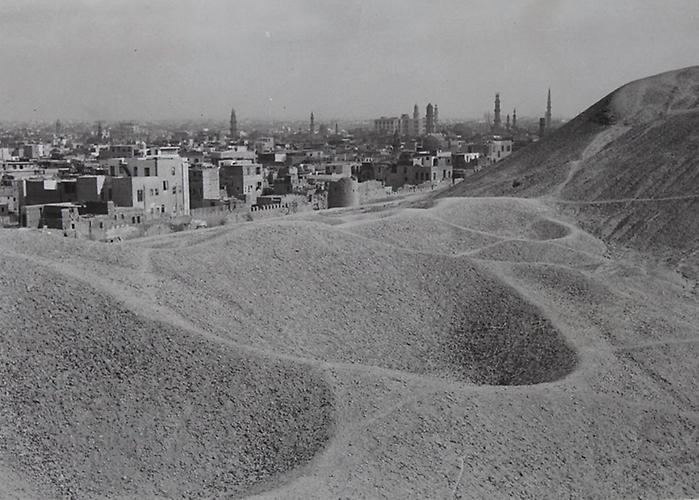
(390, 307)
(100, 403)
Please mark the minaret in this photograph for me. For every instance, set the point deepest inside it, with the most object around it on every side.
(507, 122)
(436, 118)
(548, 111)
(313, 125)
(416, 121)
(234, 126)
(429, 119)
(337, 130)
(497, 123)
(514, 118)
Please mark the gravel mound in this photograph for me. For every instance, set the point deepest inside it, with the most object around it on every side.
(423, 233)
(323, 293)
(97, 402)
(504, 218)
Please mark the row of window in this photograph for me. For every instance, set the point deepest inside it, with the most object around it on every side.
(140, 193)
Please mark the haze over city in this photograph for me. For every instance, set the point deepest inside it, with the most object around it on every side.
(99, 60)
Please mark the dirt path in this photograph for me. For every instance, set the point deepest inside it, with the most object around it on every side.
(595, 146)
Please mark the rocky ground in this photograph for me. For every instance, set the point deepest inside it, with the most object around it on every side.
(476, 348)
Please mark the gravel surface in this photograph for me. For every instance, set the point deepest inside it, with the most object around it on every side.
(97, 402)
(297, 359)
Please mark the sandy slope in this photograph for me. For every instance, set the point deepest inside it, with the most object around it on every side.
(626, 168)
(478, 348)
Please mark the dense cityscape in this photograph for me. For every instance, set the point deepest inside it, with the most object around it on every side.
(113, 181)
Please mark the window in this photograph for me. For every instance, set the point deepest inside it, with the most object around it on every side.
(139, 195)
(151, 191)
(101, 225)
(157, 192)
(146, 171)
(174, 189)
(165, 185)
(135, 171)
(162, 209)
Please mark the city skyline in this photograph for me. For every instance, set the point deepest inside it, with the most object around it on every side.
(351, 60)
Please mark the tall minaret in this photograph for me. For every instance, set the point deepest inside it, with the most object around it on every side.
(234, 126)
(507, 123)
(436, 118)
(429, 119)
(497, 123)
(416, 121)
(514, 118)
(548, 111)
(312, 128)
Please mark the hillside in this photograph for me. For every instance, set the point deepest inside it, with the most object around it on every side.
(627, 168)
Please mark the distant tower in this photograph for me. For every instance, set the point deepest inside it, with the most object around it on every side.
(436, 118)
(59, 128)
(548, 111)
(337, 130)
(507, 123)
(497, 122)
(234, 125)
(416, 121)
(312, 128)
(514, 118)
(542, 126)
(99, 130)
(429, 119)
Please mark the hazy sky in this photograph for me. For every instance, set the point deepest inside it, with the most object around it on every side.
(159, 59)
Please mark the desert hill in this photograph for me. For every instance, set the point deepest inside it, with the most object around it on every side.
(627, 168)
(482, 347)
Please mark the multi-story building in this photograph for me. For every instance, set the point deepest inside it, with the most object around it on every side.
(204, 185)
(241, 181)
(33, 151)
(387, 126)
(498, 149)
(236, 154)
(420, 168)
(264, 145)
